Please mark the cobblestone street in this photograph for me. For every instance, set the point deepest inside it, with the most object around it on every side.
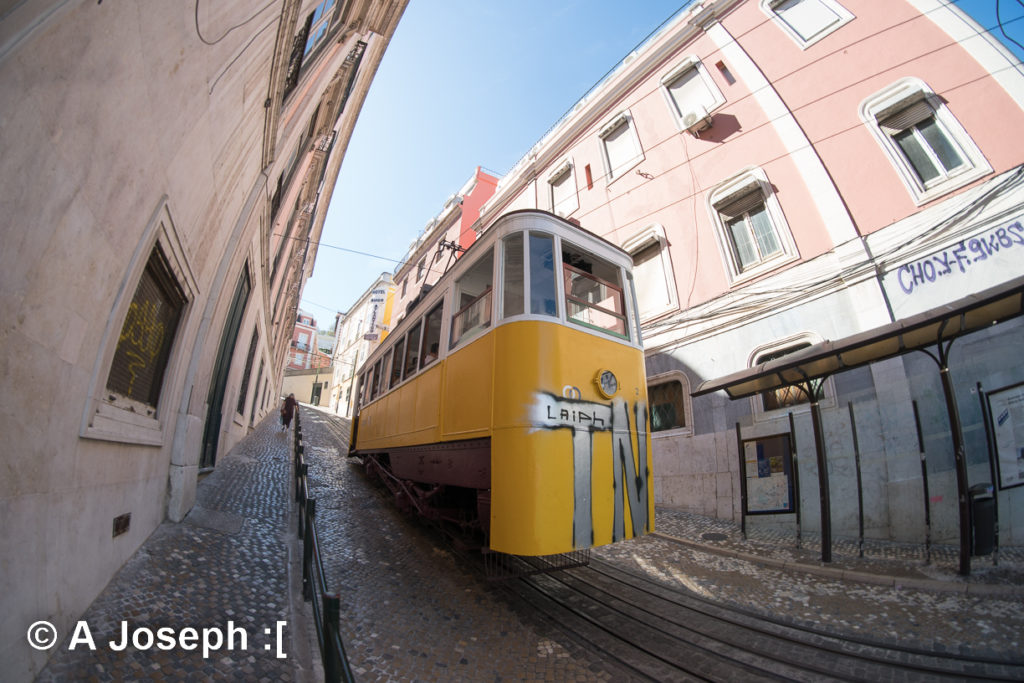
(423, 596)
(413, 610)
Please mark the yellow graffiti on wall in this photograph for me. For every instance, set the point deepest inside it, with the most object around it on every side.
(141, 337)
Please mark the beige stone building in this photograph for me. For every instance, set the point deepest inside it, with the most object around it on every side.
(166, 173)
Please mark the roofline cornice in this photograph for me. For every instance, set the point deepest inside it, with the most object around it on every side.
(596, 105)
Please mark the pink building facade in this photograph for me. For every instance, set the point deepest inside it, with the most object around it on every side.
(442, 240)
(785, 174)
(303, 353)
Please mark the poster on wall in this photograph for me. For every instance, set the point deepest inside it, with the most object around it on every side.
(768, 470)
(1006, 411)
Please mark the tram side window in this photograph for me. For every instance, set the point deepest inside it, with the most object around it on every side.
(385, 364)
(431, 336)
(542, 275)
(374, 382)
(473, 299)
(396, 362)
(593, 292)
(412, 347)
(512, 285)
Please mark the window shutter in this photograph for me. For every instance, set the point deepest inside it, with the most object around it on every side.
(744, 204)
(620, 147)
(689, 91)
(140, 358)
(807, 17)
(907, 117)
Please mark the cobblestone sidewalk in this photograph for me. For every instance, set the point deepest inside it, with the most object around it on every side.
(224, 567)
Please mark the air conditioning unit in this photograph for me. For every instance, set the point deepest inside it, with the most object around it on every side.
(696, 120)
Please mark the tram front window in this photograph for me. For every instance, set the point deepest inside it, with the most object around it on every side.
(512, 267)
(473, 299)
(593, 292)
(542, 275)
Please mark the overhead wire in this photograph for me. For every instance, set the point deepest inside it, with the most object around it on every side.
(689, 160)
(1002, 28)
(236, 26)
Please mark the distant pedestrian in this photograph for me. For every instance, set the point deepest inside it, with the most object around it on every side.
(287, 411)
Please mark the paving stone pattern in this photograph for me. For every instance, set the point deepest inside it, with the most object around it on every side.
(890, 594)
(227, 562)
(412, 611)
(409, 610)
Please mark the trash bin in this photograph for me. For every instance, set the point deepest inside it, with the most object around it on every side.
(983, 519)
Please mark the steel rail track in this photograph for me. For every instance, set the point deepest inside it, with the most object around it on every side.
(658, 632)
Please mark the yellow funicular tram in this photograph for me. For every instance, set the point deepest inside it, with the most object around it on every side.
(511, 399)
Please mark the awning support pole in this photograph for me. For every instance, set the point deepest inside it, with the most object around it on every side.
(955, 428)
(924, 480)
(961, 469)
(796, 476)
(860, 483)
(823, 492)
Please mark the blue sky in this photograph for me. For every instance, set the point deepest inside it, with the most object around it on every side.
(466, 83)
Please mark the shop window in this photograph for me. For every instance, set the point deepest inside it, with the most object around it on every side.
(668, 399)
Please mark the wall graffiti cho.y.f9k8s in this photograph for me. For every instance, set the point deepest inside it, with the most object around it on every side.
(630, 472)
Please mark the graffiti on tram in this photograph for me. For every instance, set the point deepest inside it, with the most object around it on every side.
(630, 473)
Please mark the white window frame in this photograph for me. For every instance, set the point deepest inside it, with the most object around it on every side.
(314, 40)
(655, 233)
(565, 171)
(609, 126)
(751, 179)
(901, 95)
(828, 388)
(121, 419)
(693, 63)
(664, 378)
(770, 7)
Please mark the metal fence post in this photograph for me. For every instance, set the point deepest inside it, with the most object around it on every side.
(307, 551)
(331, 627)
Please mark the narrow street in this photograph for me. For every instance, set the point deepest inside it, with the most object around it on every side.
(414, 610)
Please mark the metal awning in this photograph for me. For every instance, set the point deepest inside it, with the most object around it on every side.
(937, 327)
(940, 324)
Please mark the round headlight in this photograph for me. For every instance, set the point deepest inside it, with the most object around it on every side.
(607, 383)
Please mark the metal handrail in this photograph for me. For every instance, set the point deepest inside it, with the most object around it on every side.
(326, 605)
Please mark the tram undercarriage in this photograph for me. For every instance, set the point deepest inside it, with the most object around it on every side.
(443, 494)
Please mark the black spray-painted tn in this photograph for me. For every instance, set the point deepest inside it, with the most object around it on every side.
(630, 472)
